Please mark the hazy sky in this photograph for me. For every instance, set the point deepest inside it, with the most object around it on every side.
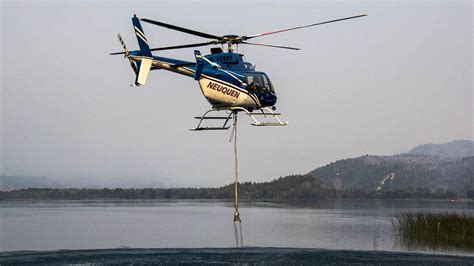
(376, 85)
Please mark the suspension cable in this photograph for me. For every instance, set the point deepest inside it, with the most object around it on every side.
(237, 227)
(236, 173)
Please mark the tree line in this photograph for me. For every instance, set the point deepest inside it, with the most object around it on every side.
(290, 188)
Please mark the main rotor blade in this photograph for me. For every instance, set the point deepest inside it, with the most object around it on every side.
(117, 53)
(183, 46)
(274, 46)
(175, 47)
(300, 27)
(173, 27)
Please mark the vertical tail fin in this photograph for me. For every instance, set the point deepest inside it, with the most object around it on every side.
(145, 63)
(141, 38)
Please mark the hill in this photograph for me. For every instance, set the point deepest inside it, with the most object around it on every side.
(399, 172)
(453, 149)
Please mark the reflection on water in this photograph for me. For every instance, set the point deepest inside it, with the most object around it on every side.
(329, 224)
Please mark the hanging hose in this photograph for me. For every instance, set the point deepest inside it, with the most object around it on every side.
(239, 242)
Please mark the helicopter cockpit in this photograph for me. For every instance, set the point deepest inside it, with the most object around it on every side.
(259, 83)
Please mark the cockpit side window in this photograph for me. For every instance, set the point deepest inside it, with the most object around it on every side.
(249, 79)
(259, 82)
(266, 85)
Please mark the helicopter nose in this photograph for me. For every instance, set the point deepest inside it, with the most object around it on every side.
(268, 99)
(272, 99)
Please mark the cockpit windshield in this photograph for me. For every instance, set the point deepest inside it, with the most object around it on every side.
(259, 82)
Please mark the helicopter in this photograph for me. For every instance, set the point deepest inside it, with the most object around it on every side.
(227, 81)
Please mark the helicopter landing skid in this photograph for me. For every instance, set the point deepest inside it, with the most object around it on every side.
(205, 117)
(265, 112)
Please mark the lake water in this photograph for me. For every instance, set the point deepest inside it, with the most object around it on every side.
(328, 224)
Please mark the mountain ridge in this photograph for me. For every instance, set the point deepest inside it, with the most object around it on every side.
(409, 175)
(398, 172)
(428, 167)
(453, 149)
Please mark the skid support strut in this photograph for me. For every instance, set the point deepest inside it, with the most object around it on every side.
(265, 112)
(239, 242)
(201, 119)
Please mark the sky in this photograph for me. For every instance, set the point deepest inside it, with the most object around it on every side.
(382, 84)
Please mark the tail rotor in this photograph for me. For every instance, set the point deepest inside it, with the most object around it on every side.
(140, 61)
(126, 54)
(123, 45)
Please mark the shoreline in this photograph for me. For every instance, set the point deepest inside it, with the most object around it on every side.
(243, 200)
